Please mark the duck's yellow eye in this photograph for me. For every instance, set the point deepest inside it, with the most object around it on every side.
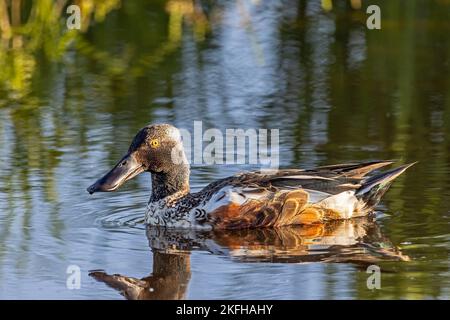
(154, 143)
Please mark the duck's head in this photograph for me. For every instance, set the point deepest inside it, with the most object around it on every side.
(156, 148)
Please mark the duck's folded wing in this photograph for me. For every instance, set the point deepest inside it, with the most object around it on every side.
(327, 179)
(354, 170)
(258, 199)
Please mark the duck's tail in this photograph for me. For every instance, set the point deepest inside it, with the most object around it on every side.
(374, 187)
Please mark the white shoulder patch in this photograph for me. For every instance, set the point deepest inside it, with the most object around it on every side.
(231, 194)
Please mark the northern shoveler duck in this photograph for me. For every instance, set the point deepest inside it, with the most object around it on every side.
(246, 200)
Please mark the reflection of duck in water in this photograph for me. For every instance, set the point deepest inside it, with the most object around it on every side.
(168, 281)
(357, 241)
(352, 241)
(247, 200)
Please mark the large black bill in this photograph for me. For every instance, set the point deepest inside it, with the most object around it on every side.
(124, 170)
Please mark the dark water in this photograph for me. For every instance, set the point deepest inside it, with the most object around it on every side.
(70, 103)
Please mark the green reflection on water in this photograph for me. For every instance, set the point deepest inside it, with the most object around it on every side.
(348, 94)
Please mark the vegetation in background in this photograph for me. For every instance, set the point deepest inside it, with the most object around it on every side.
(346, 93)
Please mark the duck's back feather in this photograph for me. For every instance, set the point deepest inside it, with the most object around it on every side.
(285, 197)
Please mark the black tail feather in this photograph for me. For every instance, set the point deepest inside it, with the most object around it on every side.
(374, 187)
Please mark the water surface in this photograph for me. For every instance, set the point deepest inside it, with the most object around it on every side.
(70, 103)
